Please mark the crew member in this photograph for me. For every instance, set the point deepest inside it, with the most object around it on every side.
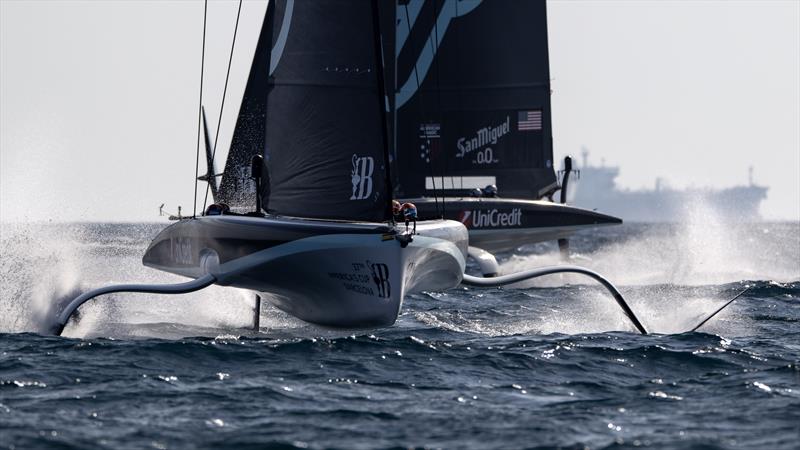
(410, 215)
(397, 211)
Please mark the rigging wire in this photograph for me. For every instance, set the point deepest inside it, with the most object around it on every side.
(384, 102)
(422, 113)
(200, 109)
(222, 105)
(459, 89)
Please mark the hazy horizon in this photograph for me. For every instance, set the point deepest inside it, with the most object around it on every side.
(99, 101)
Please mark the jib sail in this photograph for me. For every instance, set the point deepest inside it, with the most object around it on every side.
(237, 188)
(314, 108)
(473, 97)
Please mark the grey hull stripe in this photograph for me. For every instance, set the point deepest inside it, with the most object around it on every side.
(450, 10)
(277, 51)
(413, 8)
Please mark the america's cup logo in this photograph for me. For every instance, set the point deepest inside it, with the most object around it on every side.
(361, 177)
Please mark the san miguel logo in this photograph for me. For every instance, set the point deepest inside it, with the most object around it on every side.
(380, 276)
(483, 137)
(491, 219)
(361, 177)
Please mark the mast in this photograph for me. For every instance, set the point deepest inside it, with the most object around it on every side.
(384, 103)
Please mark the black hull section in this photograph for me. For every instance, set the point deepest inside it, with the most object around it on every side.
(498, 224)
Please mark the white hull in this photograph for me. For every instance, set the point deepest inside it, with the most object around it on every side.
(341, 280)
(351, 281)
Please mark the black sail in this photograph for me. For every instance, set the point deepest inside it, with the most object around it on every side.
(473, 97)
(315, 108)
(237, 188)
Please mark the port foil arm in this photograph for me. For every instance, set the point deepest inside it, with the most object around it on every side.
(180, 288)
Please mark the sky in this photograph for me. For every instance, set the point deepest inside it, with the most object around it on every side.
(98, 100)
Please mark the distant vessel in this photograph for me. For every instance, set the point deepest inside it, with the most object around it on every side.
(596, 188)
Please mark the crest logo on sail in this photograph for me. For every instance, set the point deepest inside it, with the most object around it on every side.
(361, 177)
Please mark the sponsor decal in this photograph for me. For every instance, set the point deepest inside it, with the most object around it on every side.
(483, 137)
(492, 218)
(182, 251)
(479, 143)
(429, 137)
(361, 278)
(361, 177)
(429, 130)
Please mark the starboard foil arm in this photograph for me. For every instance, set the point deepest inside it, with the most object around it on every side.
(180, 288)
(549, 270)
(486, 261)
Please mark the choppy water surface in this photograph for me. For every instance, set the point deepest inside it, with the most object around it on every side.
(546, 364)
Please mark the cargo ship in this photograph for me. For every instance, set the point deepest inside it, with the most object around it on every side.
(596, 188)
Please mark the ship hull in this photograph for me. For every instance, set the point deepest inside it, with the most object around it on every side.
(332, 274)
(736, 204)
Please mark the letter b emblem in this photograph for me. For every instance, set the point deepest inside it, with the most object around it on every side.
(361, 177)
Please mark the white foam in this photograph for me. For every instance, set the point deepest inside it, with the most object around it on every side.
(698, 250)
(44, 262)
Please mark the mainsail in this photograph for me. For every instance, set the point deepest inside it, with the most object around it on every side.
(314, 108)
(473, 97)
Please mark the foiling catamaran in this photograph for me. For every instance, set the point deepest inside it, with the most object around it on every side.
(473, 119)
(303, 213)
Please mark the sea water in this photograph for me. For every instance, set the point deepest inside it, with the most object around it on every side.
(541, 364)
